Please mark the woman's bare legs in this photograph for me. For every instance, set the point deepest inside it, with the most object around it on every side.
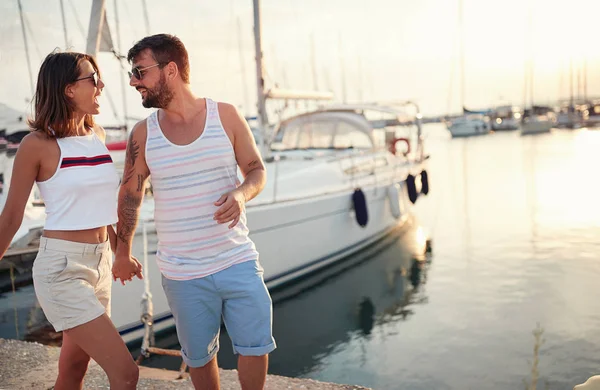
(72, 365)
(99, 340)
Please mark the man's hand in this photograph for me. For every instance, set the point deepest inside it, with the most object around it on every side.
(125, 268)
(231, 206)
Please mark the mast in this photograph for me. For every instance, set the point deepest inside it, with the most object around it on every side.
(585, 79)
(64, 22)
(263, 120)
(529, 64)
(243, 67)
(146, 19)
(360, 80)
(313, 63)
(462, 54)
(97, 19)
(571, 94)
(123, 84)
(342, 71)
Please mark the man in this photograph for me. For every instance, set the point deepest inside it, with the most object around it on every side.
(192, 147)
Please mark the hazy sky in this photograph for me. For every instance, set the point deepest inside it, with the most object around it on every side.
(406, 49)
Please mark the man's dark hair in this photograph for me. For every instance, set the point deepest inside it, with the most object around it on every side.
(164, 48)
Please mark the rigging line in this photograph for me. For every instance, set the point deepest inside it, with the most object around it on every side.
(79, 25)
(228, 44)
(64, 23)
(111, 102)
(452, 72)
(35, 44)
(231, 31)
(146, 20)
(23, 28)
(119, 45)
(129, 17)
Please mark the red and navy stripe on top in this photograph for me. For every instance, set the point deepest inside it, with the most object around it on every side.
(69, 162)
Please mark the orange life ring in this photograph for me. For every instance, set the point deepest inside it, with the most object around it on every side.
(394, 141)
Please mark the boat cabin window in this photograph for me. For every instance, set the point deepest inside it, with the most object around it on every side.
(315, 135)
(348, 136)
(322, 134)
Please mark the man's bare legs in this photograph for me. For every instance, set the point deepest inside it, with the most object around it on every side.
(252, 371)
(206, 377)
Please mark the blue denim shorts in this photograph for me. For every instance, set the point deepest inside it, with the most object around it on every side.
(239, 296)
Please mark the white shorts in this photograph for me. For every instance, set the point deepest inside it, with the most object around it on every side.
(72, 281)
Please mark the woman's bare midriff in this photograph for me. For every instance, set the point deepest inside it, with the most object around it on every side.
(87, 236)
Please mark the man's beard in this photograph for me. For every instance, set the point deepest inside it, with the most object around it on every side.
(159, 96)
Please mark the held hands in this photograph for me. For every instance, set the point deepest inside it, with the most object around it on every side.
(231, 206)
(125, 268)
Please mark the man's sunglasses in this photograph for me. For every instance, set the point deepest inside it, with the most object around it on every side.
(94, 78)
(138, 72)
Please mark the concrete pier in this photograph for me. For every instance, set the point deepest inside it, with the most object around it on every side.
(25, 365)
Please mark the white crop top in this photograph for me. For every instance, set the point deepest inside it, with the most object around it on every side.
(82, 193)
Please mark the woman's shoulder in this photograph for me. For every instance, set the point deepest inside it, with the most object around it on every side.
(36, 139)
(100, 132)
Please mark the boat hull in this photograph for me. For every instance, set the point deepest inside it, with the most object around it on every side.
(468, 128)
(276, 229)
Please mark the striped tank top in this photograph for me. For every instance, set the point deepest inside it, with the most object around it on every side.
(187, 180)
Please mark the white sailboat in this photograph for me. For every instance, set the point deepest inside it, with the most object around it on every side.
(305, 219)
(468, 124)
(340, 179)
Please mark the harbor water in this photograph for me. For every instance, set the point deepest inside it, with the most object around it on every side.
(514, 223)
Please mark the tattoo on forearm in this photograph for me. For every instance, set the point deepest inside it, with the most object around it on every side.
(131, 155)
(128, 215)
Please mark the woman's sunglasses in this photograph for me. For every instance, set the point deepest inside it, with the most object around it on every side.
(138, 72)
(94, 78)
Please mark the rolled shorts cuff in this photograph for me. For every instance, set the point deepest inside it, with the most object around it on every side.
(255, 351)
(195, 363)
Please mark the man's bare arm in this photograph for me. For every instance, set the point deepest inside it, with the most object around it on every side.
(131, 193)
(248, 158)
(246, 151)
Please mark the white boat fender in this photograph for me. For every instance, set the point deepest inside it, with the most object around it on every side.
(359, 202)
(424, 182)
(411, 187)
(394, 197)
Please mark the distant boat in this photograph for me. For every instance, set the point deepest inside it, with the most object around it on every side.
(503, 118)
(469, 123)
(535, 119)
(538, 119)
(593, 119)
(571, 116)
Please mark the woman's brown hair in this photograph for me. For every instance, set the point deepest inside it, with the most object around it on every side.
(53, 109)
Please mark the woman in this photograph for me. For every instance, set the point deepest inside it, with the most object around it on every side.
(66, 156)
